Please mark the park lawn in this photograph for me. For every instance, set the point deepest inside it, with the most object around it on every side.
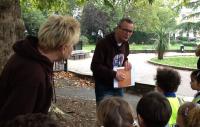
(90, 47)
(152, 47)
(179, 61)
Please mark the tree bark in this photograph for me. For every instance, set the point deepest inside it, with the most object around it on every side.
(11, 28)
(160, 55)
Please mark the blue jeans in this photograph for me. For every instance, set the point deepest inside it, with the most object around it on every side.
(101, 91)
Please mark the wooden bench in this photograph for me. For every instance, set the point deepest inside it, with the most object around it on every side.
(79, 54)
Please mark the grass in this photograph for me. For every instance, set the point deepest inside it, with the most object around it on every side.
(90, 47)
(179, 61)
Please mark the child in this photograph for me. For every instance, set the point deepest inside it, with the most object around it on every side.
(153, 110)
(115, 112)
(195, 84)
(188, 115)
(167, 81)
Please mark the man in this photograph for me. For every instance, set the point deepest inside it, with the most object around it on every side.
(110, 52)
(26, 84)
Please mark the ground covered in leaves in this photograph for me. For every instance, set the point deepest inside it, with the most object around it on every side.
(78, 112)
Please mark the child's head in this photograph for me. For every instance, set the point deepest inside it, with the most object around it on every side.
(115, 112)
(195, 80)
(153, 110)
(194, 117)
(188, 115)
(167, 80)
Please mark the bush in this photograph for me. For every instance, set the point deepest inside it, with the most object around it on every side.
(189, 44)
(140, 37)
(174, 42)
(84, 39)
(91, 39)
(186, 38)
(182, 38)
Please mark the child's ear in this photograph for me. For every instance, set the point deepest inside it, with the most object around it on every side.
(158, 89)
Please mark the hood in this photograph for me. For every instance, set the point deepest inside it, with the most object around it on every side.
(28, 48)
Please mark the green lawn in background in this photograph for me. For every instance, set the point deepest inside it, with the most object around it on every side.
(179, 61)
(150, 47)
(90, 47)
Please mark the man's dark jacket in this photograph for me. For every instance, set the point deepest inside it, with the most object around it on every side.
(102, 61)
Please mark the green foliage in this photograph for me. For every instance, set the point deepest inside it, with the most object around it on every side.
(193, 4)
(92, 38)
(94, 19)
(183, 38)
(55, 6)
(142, 37)
(32, 17)
(187, 27)
(189, 44)
(84, 39)
(134, 46)
(173, 42)
(161, 44)
(89, 47)
(108, 3)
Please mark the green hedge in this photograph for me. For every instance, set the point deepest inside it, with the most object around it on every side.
(140, 37)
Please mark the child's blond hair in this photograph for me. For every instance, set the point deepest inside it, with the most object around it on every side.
(115, 112)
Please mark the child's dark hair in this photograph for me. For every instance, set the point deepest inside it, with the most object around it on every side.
(196, 75)
(168, 79)
(154, 109)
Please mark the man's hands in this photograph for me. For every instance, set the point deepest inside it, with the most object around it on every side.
(120, 75)
(127, 65)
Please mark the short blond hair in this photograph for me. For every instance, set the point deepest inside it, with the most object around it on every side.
(57, 31)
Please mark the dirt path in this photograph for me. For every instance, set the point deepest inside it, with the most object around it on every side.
(78, 101)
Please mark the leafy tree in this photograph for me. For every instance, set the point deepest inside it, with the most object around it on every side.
(12, 26)
(32, 17)
(159, 19)
(93, 19)
(187, 27)
(166, 24)
(193, 4)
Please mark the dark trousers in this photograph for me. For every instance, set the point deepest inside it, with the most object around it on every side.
(101, 91)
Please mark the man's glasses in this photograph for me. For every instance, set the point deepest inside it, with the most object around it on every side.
(126, 30)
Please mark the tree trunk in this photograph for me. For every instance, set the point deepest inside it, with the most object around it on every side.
(160, 55)
(11, 28)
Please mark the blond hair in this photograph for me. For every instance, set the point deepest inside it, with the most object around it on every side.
(190, 114)
(115, 112)
(57, 31)
(194, 117)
